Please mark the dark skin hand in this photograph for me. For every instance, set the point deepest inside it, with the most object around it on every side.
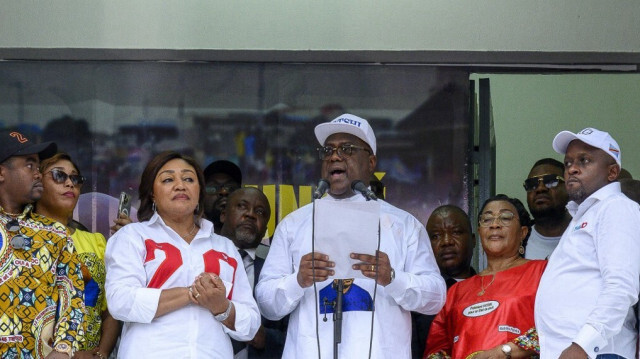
(120, 222)
(258, 341)
(368, 266)
(322, 269)
(573, 351)
(208, 291)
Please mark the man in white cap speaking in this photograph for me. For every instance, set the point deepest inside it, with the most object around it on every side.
(406, 273)
(584, 304)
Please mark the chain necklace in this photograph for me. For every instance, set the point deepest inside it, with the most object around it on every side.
(484, 289)
(190, 234)
(10, 214)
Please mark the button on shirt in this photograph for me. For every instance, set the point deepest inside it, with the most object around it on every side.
(586, 294)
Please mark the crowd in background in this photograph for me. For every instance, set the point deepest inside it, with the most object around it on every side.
(191, 278)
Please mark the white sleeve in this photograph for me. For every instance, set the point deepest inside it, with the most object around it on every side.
(278, 292)
(128, 298)
(618, 251)
(418, 285)
(247, 314)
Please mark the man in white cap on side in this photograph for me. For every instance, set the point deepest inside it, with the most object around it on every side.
(584, 305)
(407, 274)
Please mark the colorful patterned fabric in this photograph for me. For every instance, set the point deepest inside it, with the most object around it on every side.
(90, 248)
(41, 289)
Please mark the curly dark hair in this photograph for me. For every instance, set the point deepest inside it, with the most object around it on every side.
(523, 215)
(145, 190)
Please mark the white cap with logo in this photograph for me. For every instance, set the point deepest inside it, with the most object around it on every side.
(347, 123)
(592, 137)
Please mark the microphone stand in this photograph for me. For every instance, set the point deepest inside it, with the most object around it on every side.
(337, 317)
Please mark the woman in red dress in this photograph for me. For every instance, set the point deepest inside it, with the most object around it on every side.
(490, 315)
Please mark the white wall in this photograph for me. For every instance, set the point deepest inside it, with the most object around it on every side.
(529, 110)
(490, 25)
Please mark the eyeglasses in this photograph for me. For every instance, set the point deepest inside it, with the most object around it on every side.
(213, 189)
(504, 219)
(19, 241)
(550, 181)
(60, 177)
(324, 153)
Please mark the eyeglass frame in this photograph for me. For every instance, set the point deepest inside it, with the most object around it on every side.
(341, 150)
(76, 180)
(546, 179)
(499, 217)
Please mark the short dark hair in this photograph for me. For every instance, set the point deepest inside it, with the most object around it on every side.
(46, 163)
(145, 190)
(523, 215)
(451, 208)
(549, 161)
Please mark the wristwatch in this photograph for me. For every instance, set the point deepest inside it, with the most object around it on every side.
(393, 275)
(506, 349)
(63, 348)
(223, 316)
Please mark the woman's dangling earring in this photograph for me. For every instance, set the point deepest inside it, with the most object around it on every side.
(153, 206)
(521, 249)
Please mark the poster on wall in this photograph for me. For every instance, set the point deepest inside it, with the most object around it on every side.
(113, 117)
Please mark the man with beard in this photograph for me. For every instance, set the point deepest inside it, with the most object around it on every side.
(452, 241)
(547, 200)
(221, 179)
(584, 306)
(41, 287)
(245, 219)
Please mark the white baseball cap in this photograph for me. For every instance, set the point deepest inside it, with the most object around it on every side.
(350, 124)
(592, 137)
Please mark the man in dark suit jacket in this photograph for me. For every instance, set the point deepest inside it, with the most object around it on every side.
(245, 219)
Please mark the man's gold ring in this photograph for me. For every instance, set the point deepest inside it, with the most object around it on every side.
(373, 268)
(197, 295)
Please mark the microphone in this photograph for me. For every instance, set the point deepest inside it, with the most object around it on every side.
(358, 186)
(321, 189)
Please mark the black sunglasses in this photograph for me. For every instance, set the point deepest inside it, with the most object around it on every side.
(213, 189)
(60, 177)
(549, 181)
(19, 241)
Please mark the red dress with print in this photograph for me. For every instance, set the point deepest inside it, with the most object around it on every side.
(470, 322)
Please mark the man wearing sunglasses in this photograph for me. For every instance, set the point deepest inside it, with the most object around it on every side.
(41, 287)
(404, 276)
(221, 179)
(584, 306)
(547, 200)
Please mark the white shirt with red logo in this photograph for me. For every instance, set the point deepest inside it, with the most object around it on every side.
(586, 294)
(144, 258)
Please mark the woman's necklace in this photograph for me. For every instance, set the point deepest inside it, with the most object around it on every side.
(190, 234)
(484, 289)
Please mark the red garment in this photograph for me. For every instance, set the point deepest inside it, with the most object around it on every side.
(469, 322)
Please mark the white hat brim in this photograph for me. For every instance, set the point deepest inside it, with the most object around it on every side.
(562, 141)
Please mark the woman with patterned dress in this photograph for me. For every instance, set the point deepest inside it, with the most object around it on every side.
(490, 315)
(62, 182)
